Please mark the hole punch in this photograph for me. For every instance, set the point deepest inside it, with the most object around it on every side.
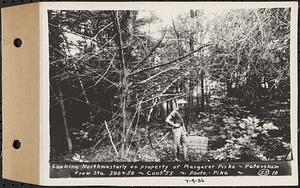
(18, 42)
(16, 144)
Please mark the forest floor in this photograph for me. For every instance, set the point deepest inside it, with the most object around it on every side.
(219, 124)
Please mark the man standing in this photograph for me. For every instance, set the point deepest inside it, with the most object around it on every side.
(176, 120)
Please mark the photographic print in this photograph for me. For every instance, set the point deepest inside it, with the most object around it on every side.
(170, 92)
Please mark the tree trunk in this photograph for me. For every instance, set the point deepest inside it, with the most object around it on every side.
(202, 92)
(84, 94)
(68, 138)
(229, 88)
(124, 81)
(198, 101)
(168, 111)
(207, 94)
(190, 104)
(191, 88)
(80, 83)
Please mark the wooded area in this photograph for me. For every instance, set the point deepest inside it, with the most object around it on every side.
(115, 75)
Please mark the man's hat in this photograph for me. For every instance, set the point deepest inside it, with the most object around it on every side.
(181, 101)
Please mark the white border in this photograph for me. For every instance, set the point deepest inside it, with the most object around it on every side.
(159, 181)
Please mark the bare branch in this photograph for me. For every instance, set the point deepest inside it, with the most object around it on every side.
(170, 62)
(151, 107)
(102, 30)
(166, 89)
(151, 51)
(110, 138)
(103, 75)
(154, 76)
(174, 27)
(119, 37)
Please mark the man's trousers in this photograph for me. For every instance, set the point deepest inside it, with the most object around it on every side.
(179, 136)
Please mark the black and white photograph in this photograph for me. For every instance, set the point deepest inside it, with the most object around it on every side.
(175, 86)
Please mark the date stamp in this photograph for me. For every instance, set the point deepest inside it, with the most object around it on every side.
(194, 181)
